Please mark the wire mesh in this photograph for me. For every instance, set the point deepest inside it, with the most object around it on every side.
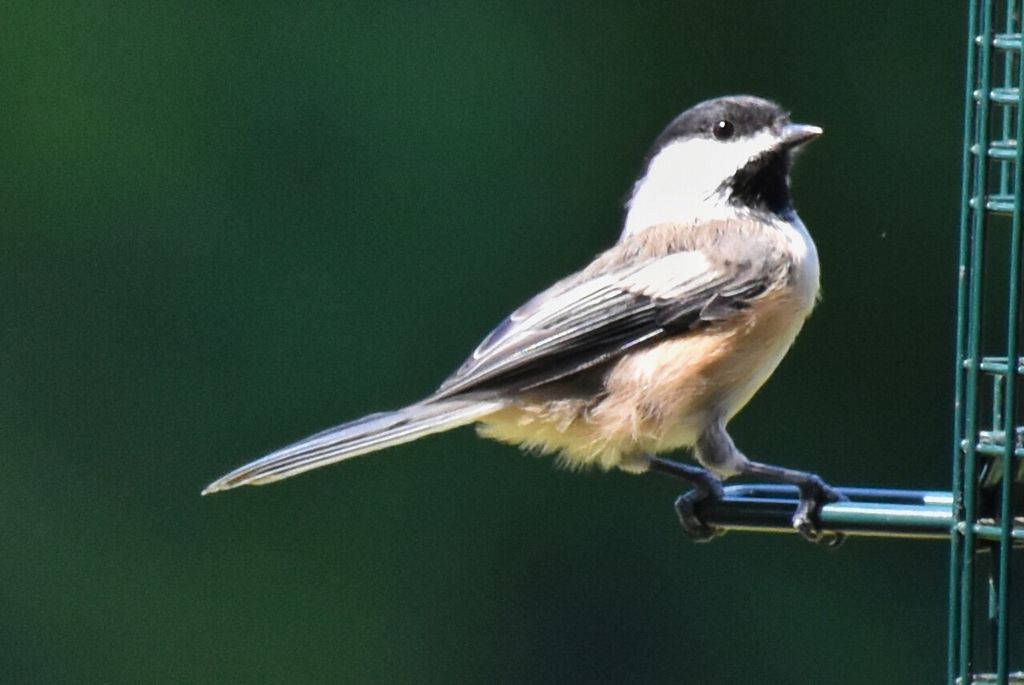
(989, 427)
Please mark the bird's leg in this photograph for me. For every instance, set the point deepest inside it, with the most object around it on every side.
(716, 450)
(814, 494)
(706, 485)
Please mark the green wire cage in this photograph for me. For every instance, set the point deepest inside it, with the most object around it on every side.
(983, 514)
(989, 426)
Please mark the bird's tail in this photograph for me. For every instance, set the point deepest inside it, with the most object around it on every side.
(368, 434)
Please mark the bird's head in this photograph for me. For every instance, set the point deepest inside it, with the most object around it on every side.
(722, 158)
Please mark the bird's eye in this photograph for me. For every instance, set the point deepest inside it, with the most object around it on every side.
(722, 130)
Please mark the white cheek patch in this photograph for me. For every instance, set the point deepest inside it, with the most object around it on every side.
(683, 180)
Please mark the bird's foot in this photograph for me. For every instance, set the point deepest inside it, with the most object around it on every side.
(686, 509)
(814, 494)
(706, 486)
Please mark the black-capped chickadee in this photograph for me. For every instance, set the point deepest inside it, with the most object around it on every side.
(653, 346)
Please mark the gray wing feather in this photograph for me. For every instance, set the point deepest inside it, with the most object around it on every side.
(586, 319)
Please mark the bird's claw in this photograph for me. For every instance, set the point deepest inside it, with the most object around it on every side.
(814, 494)
(686, 509)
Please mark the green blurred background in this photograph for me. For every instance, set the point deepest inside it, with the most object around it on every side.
(225, 227)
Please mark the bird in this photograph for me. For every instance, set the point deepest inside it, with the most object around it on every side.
(652, 347)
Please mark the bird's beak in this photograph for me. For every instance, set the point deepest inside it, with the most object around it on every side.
(795, 135)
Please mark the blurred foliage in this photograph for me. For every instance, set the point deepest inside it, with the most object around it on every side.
(226, 225)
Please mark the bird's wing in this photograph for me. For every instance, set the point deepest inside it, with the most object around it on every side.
(588, 319)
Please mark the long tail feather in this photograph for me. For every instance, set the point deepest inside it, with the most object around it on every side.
(368, 434)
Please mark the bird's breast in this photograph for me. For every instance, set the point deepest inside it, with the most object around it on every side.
(804, 271)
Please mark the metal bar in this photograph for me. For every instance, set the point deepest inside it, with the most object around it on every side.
(871, 512)
(996, 203)
(1007, 41)
(994, 533)
(987, 678)
(964, 261)
(999, 96)
(967, 505)
(1013, 323)
(1002, 150)
(1005, 113)
(996, 450)
(996, 365)
(874, 512)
